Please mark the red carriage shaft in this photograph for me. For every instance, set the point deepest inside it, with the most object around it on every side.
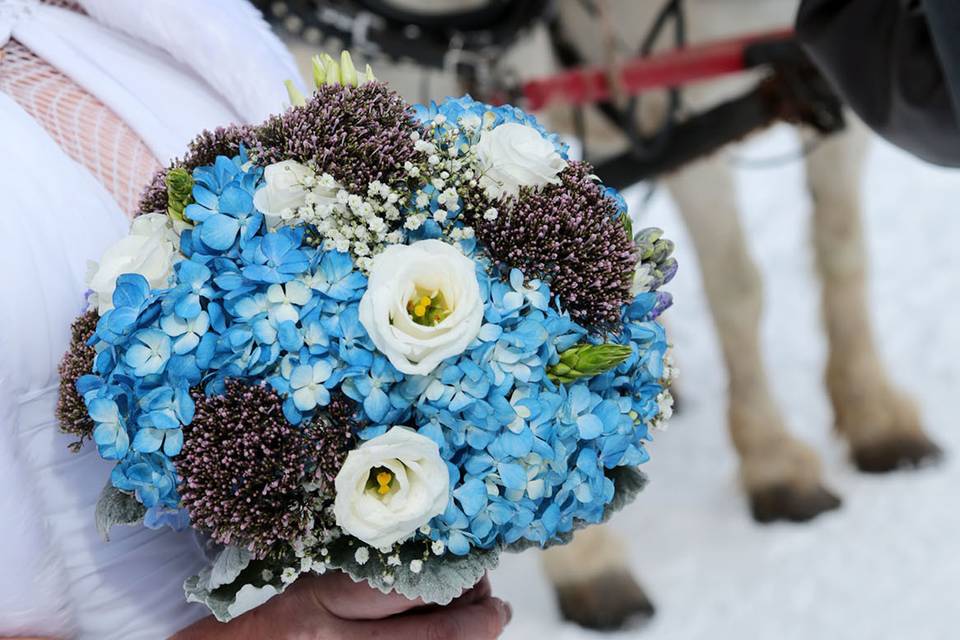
(658, 71)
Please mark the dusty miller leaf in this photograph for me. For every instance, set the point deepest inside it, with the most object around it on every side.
(245, 590)
(228, 565)
(441, 579)
(115, 507)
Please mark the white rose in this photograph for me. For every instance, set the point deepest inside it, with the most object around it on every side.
(390, 486)
(283, 191)
(514, 155)
(150, 249)
(422, 304)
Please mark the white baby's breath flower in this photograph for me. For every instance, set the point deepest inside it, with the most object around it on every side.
(289, 575)
(416, 566)
(415, 221)
(665, 407)
(440, 215)
(438, 547)
(361, 555)
(327, 181)
(393, 561)
(469, 121)
(490, 214)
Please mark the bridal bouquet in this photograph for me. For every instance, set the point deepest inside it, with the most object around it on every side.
(388, 340)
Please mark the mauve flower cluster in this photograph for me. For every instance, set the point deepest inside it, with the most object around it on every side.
(569, 235)
(203, 150)
(71, 411)
(244, 465)
(356, 134)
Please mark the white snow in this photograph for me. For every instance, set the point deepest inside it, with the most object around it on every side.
(887, 565)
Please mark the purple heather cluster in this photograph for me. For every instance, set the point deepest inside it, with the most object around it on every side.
(231, 396)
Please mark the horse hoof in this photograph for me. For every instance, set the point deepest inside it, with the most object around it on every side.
(785, 502)
(606, 602)
(899, 452)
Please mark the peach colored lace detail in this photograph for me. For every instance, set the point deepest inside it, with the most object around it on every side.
(85, 128)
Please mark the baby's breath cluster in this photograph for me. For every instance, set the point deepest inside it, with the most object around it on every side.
(447, 170)
(361, 225)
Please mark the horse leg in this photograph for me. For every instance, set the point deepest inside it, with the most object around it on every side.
(780, 473)
(881, 424)
(593, 583)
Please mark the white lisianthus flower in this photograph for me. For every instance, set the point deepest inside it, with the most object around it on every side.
(422, 304)
(514, 155)
(283, 192)
(150, 249)
(390, 486)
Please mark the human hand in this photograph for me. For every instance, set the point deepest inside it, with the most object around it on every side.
(334, 607)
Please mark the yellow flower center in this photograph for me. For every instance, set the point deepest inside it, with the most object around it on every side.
(428, 308)
(384, 478)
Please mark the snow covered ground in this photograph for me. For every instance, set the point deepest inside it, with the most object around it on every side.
(887, 565)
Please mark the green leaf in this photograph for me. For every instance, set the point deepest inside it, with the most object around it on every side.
(116, 508)
(587, 360)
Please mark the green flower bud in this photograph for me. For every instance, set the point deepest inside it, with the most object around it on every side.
(296, 98)
(348, 73)
(587, 360)
(319, 73)
(331, 68)
(179, 193)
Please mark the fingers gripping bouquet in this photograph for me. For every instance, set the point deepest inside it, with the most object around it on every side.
(389, 340)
